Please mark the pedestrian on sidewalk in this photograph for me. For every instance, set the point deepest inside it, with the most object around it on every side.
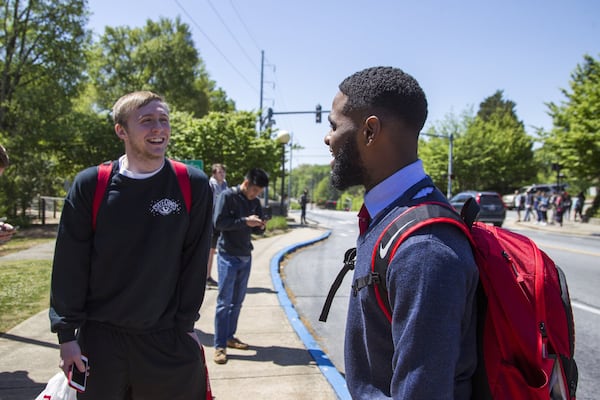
(429, 349)
(303, 203)
(218, 184)
(127, 293)
(238, 214)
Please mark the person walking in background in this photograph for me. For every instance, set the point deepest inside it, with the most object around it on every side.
(218, 184)
(578, 205)
(6, 230)
(303, 203)
(529, 201)
(519, 204)
(567, 205)
(238, 213)
(559, 208)
(429, 349)
(127, 293)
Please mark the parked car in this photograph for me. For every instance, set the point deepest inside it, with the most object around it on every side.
(492, 209)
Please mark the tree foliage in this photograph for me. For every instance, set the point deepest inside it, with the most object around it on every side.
(160, 57)
(494, 153)
(574, 141)
(228, 138)
(41, 67)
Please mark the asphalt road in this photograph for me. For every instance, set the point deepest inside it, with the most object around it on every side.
(310, 272)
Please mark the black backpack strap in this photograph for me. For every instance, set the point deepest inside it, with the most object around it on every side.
(470, 211)
(349, 259)
(411, 220)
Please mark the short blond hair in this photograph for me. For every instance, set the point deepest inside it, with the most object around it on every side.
(133, 101)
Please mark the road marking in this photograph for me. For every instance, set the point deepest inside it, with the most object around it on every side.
(585, 307)
(542, 245)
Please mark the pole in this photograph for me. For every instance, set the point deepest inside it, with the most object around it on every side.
(290, 177)
(262, 76)
(450, 149)
(282, 178)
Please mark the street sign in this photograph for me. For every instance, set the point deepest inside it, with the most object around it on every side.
(195, 163)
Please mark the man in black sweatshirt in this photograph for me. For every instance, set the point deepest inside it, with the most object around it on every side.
(126, 293)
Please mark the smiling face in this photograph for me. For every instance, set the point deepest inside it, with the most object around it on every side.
(146, 135)
(347, 167)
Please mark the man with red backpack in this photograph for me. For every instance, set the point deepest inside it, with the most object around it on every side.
(427, 349)
(129, 269)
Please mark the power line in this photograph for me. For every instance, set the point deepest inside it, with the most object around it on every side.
(232, 35)
(215, 46)
(244, 25)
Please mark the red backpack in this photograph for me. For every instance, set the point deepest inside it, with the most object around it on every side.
(104, 172)
(526, 334)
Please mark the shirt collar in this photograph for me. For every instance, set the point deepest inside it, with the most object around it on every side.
(393, 187)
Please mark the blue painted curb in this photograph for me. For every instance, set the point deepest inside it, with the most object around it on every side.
(336, 380)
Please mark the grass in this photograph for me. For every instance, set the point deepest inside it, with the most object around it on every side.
(24, 284)
(24, 290)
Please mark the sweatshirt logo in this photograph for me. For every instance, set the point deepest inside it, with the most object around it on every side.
(165, 207)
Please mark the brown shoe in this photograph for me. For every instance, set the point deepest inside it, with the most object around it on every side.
(236, 343)
(220, 356)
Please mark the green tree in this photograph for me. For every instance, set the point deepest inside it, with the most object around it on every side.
(160, 57)
(434, 145)
(227, 138)
(574, 141)
(41, 67)
(495, 153)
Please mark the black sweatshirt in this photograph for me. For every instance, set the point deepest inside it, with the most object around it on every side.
(144, 269)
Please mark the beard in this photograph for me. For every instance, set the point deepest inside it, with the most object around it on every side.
(347, 169)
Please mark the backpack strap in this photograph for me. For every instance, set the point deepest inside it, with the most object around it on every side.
(404, 225)
(349, 259)
(104, 172)
(184, 182)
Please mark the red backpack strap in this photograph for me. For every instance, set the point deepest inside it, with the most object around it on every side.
(404, 225)
(104, 172)
(184, 182)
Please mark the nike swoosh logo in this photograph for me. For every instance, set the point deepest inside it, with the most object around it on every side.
(384, 249)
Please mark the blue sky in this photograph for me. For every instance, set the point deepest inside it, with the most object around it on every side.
(460, 51)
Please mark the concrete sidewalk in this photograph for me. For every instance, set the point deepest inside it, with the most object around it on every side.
(277, 366)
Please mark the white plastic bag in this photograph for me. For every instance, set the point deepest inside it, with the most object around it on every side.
(58, 389)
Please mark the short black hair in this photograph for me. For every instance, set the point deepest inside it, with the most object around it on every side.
(388, 89)
(258, 177)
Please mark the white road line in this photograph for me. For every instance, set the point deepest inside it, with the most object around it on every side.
(585, 307)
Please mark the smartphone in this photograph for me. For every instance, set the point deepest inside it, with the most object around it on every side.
(77, 379)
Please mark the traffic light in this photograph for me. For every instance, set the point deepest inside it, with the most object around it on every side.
(269, 113)
(318, 114)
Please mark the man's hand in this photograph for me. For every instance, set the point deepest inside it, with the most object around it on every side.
(70, 353)
(254, 221)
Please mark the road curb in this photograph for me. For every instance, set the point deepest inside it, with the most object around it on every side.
(333, 376)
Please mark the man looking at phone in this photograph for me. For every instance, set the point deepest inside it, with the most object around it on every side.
(127, 293)
(238, 214)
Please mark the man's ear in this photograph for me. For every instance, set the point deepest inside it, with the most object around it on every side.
(371, 129)
(120, 131)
